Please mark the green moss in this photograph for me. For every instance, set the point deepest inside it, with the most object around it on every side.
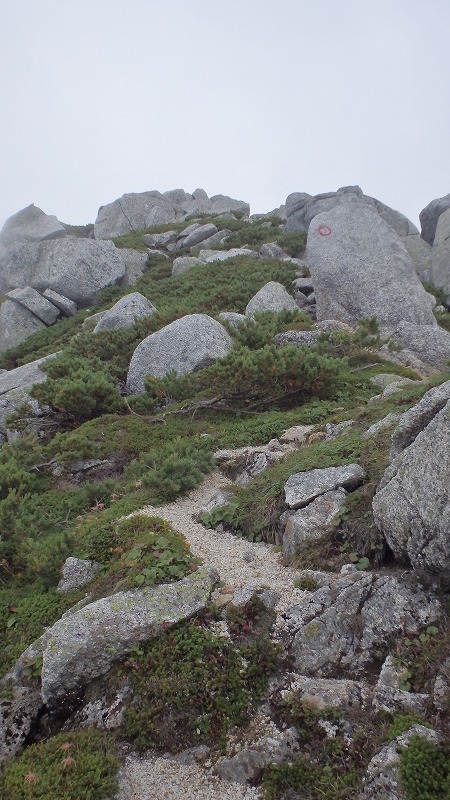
(69, 766)
(425, 770)
(308, 781)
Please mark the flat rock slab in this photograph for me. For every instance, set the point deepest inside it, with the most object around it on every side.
(41, 307)
(126, 312)
(83, 645)
(209, 256)
(198, 235)
(329, 692)
(16, 324)
(303, 487)
(23, 376)
(186, 345)
(348, 624)
(272, 297)
(361, 268)
(66, 306)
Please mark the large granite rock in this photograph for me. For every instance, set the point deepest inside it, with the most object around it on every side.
(67, 307)
(126, 312)
(430, 343)
(419, 252)
(416, 419)
(303, 487)
(135, 264)
(16, 324)
(440, 254)
(24, 376)
(412, 505)
(198, 235)
(312, 523)
(183, 263)
(347, 625)
(31, 225)
(186, 345)
(34, 302)
(360, 268)
(75, 268)
(429, 217)
(272, 297)
(84, 643)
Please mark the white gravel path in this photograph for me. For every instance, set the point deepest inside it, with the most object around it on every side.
(238, 561)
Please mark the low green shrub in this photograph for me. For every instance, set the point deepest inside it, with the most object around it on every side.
(190, 686)
(70, 766)
(307, 780)
(293, 242)
(425, 770)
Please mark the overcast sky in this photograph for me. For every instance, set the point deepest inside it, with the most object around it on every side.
(251, 98)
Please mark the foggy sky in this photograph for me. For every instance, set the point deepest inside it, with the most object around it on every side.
(251, 98)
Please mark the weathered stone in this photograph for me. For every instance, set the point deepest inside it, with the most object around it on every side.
(298, 434)
(83, 646)
(67, 307)
(184, 263)
(186, 345)
(16, 324)
(382, 779)
(348, 624)
(360, 268)
(429, 217)
(413, 421)
(31, 225)
(17, 717)
(212, 241)
(248, 763)
(387, 422)
(224, 255)
(76, 572)
(245, 594)
(440, 255)
(313, 523)
(134, 212)
(273, 250)
(234, 319)
(221, 204)
(12, 400)
(388, 694)
(220, 498)
(304, 285)
(303, 487)
(126, 312)
(90, 322)
(23, 376)
(135, 264)
(419, 252)
(298, 338)
(159, 239)
(272, 297)
(412, 504)
(329, 693)
(76, 268)
(332, 326)
(198, 235)
(35, 303)
(430, 343)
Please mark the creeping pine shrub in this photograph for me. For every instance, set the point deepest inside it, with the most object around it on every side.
(293, 242)
(78, 386)
(425, 770)
(262, 329)
(189, 686)
(69, 766)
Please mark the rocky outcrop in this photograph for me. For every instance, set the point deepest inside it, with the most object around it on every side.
(360, 268)
(440, 254)
(16, 324)
(38, 305)
(303, 487)
(429, 217)
(31, 225)
(430, 343)
(138, 211)
(412, 504)
(312, 523)
(186, 345)
(126, 312)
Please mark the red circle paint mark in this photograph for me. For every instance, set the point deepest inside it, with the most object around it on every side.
(324, 230)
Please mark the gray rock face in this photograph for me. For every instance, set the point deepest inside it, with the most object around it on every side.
(413, 421)
(198, 235)
(303, 487)
(360, 268)
(313, 523)
(183, 263)
(272, 297)
(223, 255)
(30, 299)
(429, 342)
(17, 716)
(348, 624)
(273, 250)
(186, 345)
(16, 324)
(30, 225)
(126, 312)
(23, 376)
(382, 779)
(160, 239)
(419, 252)
(75, 268)
(77, 572)
(249, 762)
(412, 504)
(234, 319)
(83, 645)
(212, 241)
(388, 694)
(440, 254)
(67, 307)
(429, 217)
(135, 264)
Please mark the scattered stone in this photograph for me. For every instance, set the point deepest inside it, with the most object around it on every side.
(156, 240)
(183, 263)
(389, 696)
(186, 345)
(313, 523)
(77, 572)
(273, 250)
(67, 307)
(126, 312)
(196, 236)
(272, 297)
(360, 268)
(249, 762)
(303, 487)
(212, 241)
(30, 224)
(297, 338)
(297, 435)
(333, 430)
(412, 506)
(234, 319)
(35, 303)
(135, 264)
(16, 324)
(209, 256)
